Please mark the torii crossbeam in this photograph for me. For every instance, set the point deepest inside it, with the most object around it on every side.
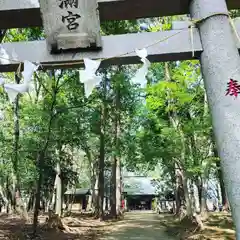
(170, 45)
(26, 13)
(117, 49)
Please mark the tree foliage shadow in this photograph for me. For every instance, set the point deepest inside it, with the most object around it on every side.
(18, 229)
(47, 234)
(216, 227)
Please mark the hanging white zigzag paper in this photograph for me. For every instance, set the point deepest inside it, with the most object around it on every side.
(1, 115)
(14, 89)
(2, 81)
(88, 75)
(140, 76)
(29, 69)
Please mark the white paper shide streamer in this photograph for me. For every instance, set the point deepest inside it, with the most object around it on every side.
(140, 76)
(2, 81)
(2, 116)
(88, 75)
(14, 89)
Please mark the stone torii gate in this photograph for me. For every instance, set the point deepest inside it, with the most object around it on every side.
(215, 45)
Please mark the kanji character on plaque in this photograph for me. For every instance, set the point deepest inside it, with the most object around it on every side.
(71, 20)
(68, 3)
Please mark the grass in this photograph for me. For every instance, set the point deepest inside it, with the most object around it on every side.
(218, 226)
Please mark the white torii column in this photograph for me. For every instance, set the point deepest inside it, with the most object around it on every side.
(220, 61)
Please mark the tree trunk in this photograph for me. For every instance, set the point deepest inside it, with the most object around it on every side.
(90, 203)
(58, 210)
(30, 202)
(225, 203)
(15, 175)
(118, 155)
(102, 154)
(223, 190)
(113, 201)
(178, 191)
(186, 195)
(9, 196)
(14, 190)
(101, 174)
(95, 195)
(53, 200)
(38, 192)
(178, 201)
(118, 187)
(3, 197)
(116, 164)
(204, 208)
(195, 197)
(18, 203)
(93, 176)
(199, 189)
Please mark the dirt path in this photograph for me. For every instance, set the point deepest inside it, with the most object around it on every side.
(139, 226)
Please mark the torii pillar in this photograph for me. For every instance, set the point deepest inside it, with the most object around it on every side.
(220, 61)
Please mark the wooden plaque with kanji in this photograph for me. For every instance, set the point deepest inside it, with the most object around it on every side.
(71, 24)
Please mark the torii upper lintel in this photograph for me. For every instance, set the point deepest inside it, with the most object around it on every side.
(26, 13)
